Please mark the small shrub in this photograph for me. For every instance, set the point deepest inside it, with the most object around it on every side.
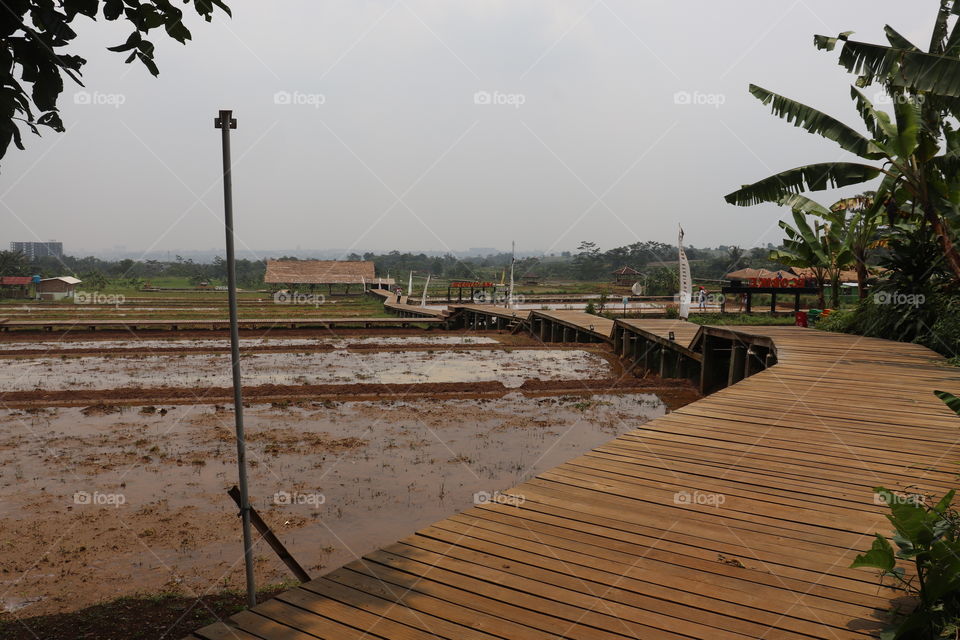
(839, 321)
(927, 537)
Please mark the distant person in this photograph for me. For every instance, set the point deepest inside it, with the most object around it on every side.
(702, 299)
(398, 291)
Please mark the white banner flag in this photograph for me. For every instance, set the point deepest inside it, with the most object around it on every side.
(686, 283)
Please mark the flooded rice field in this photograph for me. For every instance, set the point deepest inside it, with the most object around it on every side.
(101, 502)
(154, 344)
(116, 450)
(198, 371)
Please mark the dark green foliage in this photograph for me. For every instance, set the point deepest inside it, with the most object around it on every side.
(840, 321)
(815, 121)
(934, 324)
(928, 538)
(812, 177)
(925, 563)
(34, 34)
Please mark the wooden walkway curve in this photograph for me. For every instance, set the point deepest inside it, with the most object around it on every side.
(734, 517)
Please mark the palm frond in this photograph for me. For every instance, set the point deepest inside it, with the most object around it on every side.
(950, 400)
(803, 204)
(877, 121)
(825, 43)
(814, 121)
(909, 117)
(914, 70)
(812, 177)
(898, 41)
(940, 26)
(952, 48)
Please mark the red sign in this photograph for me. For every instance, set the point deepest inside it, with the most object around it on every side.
(773, 283)
(470, 285)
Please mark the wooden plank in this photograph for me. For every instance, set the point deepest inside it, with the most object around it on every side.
(601, 547)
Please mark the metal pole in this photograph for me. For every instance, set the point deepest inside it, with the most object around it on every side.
(225, 122)
(513, 259)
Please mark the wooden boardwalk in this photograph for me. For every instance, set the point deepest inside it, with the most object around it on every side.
(736, 516)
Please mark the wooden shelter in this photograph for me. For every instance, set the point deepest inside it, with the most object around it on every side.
(15, 286)
(313, 273)
(625, 275)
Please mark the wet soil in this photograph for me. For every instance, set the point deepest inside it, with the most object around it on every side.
(304, 368)
(106, 501)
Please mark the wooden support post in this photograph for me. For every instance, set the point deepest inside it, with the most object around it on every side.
(749, 303)
(272, 540)
(773, 303)
(715, 366)
(566, 334)
(618, 340)
(751, 363)
(738, 354)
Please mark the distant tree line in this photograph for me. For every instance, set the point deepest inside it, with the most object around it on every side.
(656, 262)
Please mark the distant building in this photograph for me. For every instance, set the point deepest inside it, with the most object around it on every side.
(625, 275)
(15, 286)
(57, 288)
(34, 250)
(324, 272)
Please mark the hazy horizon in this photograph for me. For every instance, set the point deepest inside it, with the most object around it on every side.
(409, 124)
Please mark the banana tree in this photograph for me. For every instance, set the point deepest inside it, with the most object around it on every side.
(863, 227)
(857, 219)
(822, 248)
(906, 151)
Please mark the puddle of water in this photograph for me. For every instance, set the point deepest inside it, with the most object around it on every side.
(202, 371)
(128, 502)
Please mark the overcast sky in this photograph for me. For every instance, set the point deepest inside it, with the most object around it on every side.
(438, 125)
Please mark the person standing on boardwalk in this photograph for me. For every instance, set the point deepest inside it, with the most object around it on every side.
(398, 290)
(702, 299)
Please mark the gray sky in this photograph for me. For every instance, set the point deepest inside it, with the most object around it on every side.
(364, 124)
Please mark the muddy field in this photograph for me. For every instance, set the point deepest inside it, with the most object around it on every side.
(200, 371)
(109, 498)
